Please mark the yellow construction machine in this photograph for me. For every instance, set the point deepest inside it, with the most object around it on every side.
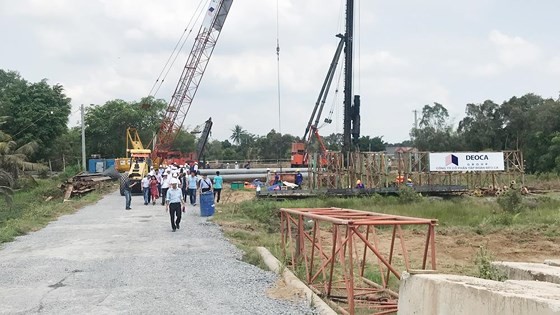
(138, 160)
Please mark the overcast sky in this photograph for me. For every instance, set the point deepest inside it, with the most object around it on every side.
(408, 53)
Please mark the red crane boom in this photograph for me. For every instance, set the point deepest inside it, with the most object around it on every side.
(191, 76)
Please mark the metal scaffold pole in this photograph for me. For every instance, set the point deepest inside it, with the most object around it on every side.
(84, 168)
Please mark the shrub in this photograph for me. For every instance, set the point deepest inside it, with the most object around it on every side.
(485, 268)
(409, 195)
(43, 173)
(511, 201)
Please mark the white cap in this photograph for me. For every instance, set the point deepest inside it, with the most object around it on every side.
(173, 181)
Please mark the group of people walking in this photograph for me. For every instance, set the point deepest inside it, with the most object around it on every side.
(173, 185)
(156, 185)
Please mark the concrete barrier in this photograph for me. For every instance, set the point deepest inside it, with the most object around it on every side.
(553, 262)
(274, 264)
(460, 295)
(529, 271)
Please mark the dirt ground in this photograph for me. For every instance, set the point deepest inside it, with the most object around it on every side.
(236, 196)
(284, 292)
(456, 251)
(456, 248)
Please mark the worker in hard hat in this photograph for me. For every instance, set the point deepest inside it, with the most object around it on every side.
(359, 184)
(299, 179)
(409, 183)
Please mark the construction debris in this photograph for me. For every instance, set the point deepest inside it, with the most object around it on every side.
(82, 184)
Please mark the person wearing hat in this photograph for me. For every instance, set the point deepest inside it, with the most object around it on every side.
(299, 178)
(164, 187)
(409, 182)
(205, 184)
(174, 203)
(359, 184)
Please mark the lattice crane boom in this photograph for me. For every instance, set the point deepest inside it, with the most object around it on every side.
(191, 76)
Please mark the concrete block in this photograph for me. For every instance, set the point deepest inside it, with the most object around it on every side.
(460, 295)
(553, 262)
(529, 271)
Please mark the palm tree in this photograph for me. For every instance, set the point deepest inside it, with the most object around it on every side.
(14, 158)
(238, 134)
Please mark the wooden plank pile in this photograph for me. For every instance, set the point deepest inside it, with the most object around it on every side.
(82, 184)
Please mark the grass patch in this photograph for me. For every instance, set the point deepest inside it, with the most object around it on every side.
(257, 222)
(30, 210)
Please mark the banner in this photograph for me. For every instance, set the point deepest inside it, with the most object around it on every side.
(466, 161)
(210, 13)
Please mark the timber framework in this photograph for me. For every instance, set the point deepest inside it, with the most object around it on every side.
(335, 170)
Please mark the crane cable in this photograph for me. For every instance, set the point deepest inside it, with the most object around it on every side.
(339, 30)
(278, 66)
(176, 50)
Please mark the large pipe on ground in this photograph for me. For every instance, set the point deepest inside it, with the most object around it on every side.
(225, 171)
(246, 177)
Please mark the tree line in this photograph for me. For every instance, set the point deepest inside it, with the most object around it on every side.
(529, 123)
(37, 114)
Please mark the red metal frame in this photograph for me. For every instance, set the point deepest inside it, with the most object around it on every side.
(337, 270)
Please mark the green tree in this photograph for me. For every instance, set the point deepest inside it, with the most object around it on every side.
(14, 157)
(482, 128)
(238, 133)
(518, 114)
(36, 112)
(274, 146)
(214, 150)
(434, 132)
(334, 141)
(184, 142)
(375, 144)
(106, 124)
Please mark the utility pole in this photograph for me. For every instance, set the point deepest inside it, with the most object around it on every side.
(83, 139)
(415, 118)
(347, 143)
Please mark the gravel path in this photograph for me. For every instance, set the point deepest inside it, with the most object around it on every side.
(105, 260)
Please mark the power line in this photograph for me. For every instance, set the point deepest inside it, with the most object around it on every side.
(176, 51)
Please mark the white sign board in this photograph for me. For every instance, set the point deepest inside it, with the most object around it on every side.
(466, 161)
(209, 16)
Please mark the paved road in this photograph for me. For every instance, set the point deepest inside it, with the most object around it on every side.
(105, 260)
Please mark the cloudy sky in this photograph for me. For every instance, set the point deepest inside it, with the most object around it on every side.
(408, 53)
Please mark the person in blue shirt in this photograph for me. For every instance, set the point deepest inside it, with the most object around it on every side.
(174, 203)
(192, 186)
(299, 179)
(218, 182)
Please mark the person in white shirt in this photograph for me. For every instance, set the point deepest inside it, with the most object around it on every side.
(174, 203)
(205, 184)
(164, 188)
(146, 189)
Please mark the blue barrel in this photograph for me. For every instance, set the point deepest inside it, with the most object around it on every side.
(207, 204)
